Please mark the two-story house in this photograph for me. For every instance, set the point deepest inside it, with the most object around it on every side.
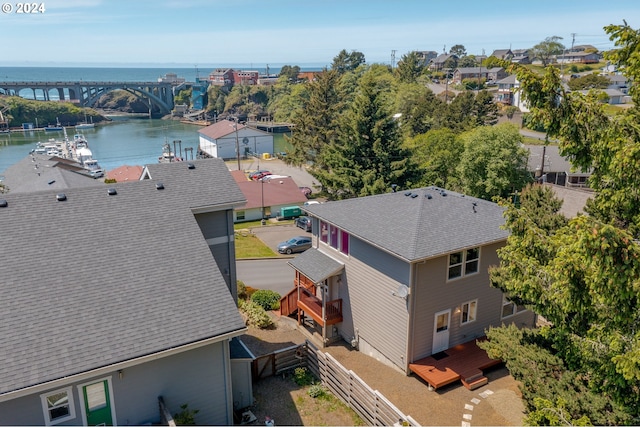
(115, 295)
(402, 275)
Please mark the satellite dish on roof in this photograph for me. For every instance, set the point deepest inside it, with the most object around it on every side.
(401, 292)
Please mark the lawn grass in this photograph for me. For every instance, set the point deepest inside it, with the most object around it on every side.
(249, 246)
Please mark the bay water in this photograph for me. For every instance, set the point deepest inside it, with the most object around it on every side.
(119, 142)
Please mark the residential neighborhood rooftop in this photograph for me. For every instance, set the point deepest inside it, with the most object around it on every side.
(99, 275)
(417, 224)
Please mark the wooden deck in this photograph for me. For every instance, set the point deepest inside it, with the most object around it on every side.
(463, 362)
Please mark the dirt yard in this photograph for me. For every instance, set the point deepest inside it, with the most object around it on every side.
(497, 403)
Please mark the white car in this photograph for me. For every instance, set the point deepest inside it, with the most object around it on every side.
(96, 173)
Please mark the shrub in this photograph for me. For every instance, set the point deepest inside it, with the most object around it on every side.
(256, 315)
(186, 417)
(316, 390)
(267, 299)
(302, 376)
(242, 289)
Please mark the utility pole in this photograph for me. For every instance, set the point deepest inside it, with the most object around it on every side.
(237, 143)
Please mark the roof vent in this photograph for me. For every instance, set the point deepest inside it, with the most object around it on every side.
(474, 207)
(51, 182)
(408, 193)
(414, 195)
(112, 191)
(3, 203)
(160, 186)
(443, 194)
(191, 166)
(429, 196)
(61, 197)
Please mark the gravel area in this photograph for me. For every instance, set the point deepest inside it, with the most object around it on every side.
(497, 403)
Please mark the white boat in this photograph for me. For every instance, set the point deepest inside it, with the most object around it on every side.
(168, 156)
(85, 124)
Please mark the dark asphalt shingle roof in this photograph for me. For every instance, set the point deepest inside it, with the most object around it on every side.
(316, 265)
(416, 228)
(99, 279)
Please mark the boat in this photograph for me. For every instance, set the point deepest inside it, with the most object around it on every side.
(168, 156)
(54, 128)
(85, 124)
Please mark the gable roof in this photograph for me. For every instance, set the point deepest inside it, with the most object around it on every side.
(220, 129)
(281, 191)
(101, 279)
(125, 173)
(37, 172)
(206, 186)
(431, 223)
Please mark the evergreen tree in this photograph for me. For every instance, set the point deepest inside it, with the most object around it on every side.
(315, 122)
(367, 157)
(409, 68)
(583, 276)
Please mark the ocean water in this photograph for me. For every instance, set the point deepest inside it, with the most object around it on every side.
(114, 74)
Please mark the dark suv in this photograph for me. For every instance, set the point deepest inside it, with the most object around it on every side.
(304, 222)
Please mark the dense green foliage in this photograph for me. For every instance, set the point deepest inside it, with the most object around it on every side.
(255, 314)
(45, 113)
(590, 81)
(267, 299)
(547, 49)
(582, 275)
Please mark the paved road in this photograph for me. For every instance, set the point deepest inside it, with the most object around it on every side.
(273, 274)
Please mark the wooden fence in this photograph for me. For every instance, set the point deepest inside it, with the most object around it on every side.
(369, 404)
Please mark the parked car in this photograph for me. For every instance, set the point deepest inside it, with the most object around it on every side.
(96, 173)
(259, 174)
(296, 244)
(304, 222)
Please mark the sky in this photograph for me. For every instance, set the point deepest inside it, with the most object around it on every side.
(283, 32)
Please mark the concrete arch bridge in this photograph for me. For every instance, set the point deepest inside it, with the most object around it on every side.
(158, 95)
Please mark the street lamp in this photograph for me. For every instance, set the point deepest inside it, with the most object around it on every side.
(235, 126)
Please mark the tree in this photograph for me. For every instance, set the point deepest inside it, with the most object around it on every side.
(418, 107)
(590, 81)
(547, 49)
(458, 50)
(347, 61)
(315, 122)
(583, 276)
(367, 156)
(290, 72)
(468, 61)
(437, 154)
(409, 68)
(494, 162)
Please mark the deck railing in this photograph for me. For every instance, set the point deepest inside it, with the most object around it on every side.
(311, 305)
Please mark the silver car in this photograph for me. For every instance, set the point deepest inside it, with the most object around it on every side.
(295, 244)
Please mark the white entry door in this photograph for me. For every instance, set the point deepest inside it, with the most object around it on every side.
(441, 331)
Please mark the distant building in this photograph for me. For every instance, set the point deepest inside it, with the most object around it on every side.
(427, 55)
(221, 77)
(503, 54)
(125, 173)
(171, 78)
(221, 140)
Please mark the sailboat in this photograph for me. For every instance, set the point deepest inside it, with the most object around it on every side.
(85, 124)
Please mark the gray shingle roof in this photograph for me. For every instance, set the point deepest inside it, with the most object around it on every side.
(316, 265)
(37, 172)
(99, 279)
(416, 228)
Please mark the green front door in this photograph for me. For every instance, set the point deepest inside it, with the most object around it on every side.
(97, 404)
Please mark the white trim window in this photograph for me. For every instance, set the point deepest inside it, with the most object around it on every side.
(468, 312)
(510, 308)
(58, 406)
(463, 263)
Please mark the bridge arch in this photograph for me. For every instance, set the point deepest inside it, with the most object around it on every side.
(92, 96)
